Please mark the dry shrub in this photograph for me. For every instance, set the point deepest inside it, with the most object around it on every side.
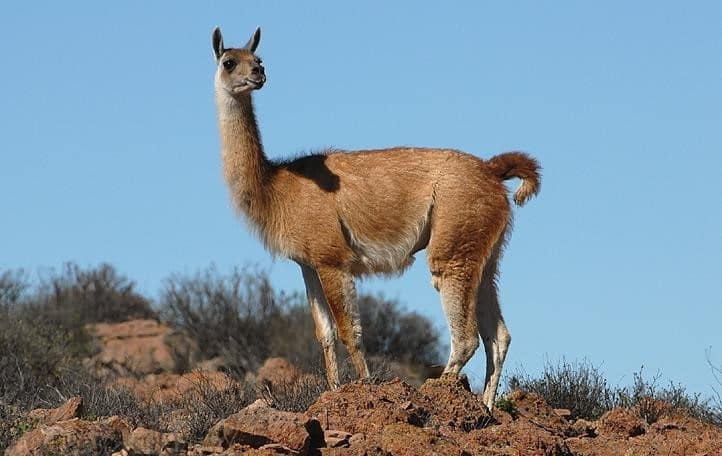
(577, 386)
(294, 396)
(582, 388)
(241, 318)
(74, 297)
(652, 401)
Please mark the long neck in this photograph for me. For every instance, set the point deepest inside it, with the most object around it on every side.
(245, 166)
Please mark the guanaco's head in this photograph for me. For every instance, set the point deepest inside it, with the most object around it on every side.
(239, 70)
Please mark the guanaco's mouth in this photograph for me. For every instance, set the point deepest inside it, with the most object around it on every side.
(249, 84)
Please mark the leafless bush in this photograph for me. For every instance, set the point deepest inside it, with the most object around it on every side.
(577, 386)
(240, 317)
(206, 404)
(75, 297)
(716, 402)
(32, 356)
(652, 401)
(581, 388)
(228, 315)
(42, 334)
(295, 396)
(392, 331)
(12, 287)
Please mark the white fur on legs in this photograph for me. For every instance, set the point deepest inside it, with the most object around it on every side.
(459, 304)
(340, 293)
(492, 330)
(496, 344)
(326, 332)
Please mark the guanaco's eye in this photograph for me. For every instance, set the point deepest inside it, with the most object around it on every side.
(229, 64)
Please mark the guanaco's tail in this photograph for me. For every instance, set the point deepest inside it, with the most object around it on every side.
(517, 164)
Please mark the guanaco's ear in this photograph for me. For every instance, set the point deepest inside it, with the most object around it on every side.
(217, 42)
(253, 42)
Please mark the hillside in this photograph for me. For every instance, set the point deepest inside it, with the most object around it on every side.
(282, 410)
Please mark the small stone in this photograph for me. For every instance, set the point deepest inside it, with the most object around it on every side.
(357, 438)
(207, 450)
(144, 442)
(279, 449)
(336, 439)
(406, 405)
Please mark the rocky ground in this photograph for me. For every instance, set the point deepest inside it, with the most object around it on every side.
(442, 416)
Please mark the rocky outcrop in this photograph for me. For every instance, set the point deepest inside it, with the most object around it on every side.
(391, 418)
(139, 347)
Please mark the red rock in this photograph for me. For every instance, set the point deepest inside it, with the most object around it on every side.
(277, 372)
(259, 425)
(137, 347)
(367, 407)
(623, 422)
(518, 437)
(73, 408)
(144, 442)
(400, 439)
(336, 439)
(71, 437)
(173, 445)
(455, 407)
(277, 448)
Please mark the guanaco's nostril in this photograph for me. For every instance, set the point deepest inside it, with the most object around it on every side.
(255, 70)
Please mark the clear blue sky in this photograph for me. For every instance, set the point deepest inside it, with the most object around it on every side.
(109, 149)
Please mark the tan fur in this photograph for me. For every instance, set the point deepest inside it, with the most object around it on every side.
(340, 215)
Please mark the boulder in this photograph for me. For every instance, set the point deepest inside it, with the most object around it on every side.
(277, 372)
(258, 425)
(138, 347)
(72, 436)
(73, 408)
(144, 442)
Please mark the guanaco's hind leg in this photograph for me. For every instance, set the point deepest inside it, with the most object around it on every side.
(325, 327)
(458, 301)
(492, 329)
(464, 234)
(340, 294)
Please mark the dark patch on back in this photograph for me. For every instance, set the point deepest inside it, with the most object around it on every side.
(314, 167)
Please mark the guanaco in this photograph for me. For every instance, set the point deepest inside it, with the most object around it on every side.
(341, 215)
